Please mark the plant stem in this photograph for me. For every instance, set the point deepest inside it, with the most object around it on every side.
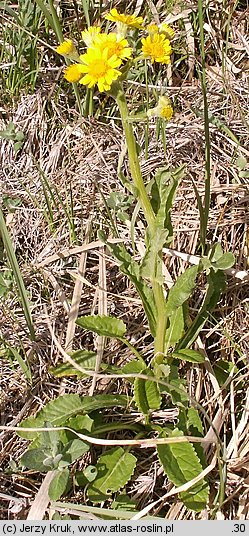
(133, 158)
(207, 195)
(134, 350)
(148, 212)
(159, 345)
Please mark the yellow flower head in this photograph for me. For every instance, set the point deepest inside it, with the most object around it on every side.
(166, 30)
(73, 73)
(99, 69)
(89, 35)
(156, 48)
(163, 109)
(115, 45)
(123, 20)
(152, 29)
(66, 48)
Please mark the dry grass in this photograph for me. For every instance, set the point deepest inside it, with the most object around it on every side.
(81, 156)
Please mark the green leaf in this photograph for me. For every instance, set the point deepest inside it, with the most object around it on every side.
(194, 422)
(59, 484)
(146, 393)
(133, 367)
(181, 290)
(222, 369)
(132, 269)
(195, 428)
(17, 275)
(11, 353)
(181, 464)
(72, 451)
(189, 355)
(83, 358)
(241, 162)
(124, 502)
(115, 468)
(226, 261)
(216, 252)
(34, 459)
(216, 285)
(107, 326)
(60, 410)
(175, 330)
(151, 266)
(176, 387)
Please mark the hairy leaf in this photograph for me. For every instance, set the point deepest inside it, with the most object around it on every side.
(181, 464)
(151, 266)
(115, 468)
(175, 330)
(107, 326)
(59, 484)
(60, 410)
(132, 269)
(181, 290)
(216, 285)
(226, 261)
(83, 358)
(35, 458)
(146, 393)
(189, 355)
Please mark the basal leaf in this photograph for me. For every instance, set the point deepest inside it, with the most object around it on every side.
(194, 422)
(115, 468)
(107, 326)
(83, 358)
(59, 484)
(176, 388)
(147, 395)
(181, 464)
(133, 367)
(60, 410)
(34, 459)
(72, 451)
(195, 428)
(189, 355)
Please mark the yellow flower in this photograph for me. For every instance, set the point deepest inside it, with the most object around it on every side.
(99, 69)
(128, 20)
(157, 48)
(163, 109)
(152, 29)
(66, 48)
(166, 30)
(73, 73)
(115, 45)
(89, 35)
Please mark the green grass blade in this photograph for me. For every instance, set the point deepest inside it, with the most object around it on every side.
(17, 274)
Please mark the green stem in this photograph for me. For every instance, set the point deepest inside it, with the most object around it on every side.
(207, 196)
(159, 345)
(143, 197)
(134, 350)
(133, 157)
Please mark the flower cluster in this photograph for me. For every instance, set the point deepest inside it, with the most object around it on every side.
(106, 53)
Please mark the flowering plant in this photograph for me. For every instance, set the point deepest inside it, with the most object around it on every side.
(104, 64)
